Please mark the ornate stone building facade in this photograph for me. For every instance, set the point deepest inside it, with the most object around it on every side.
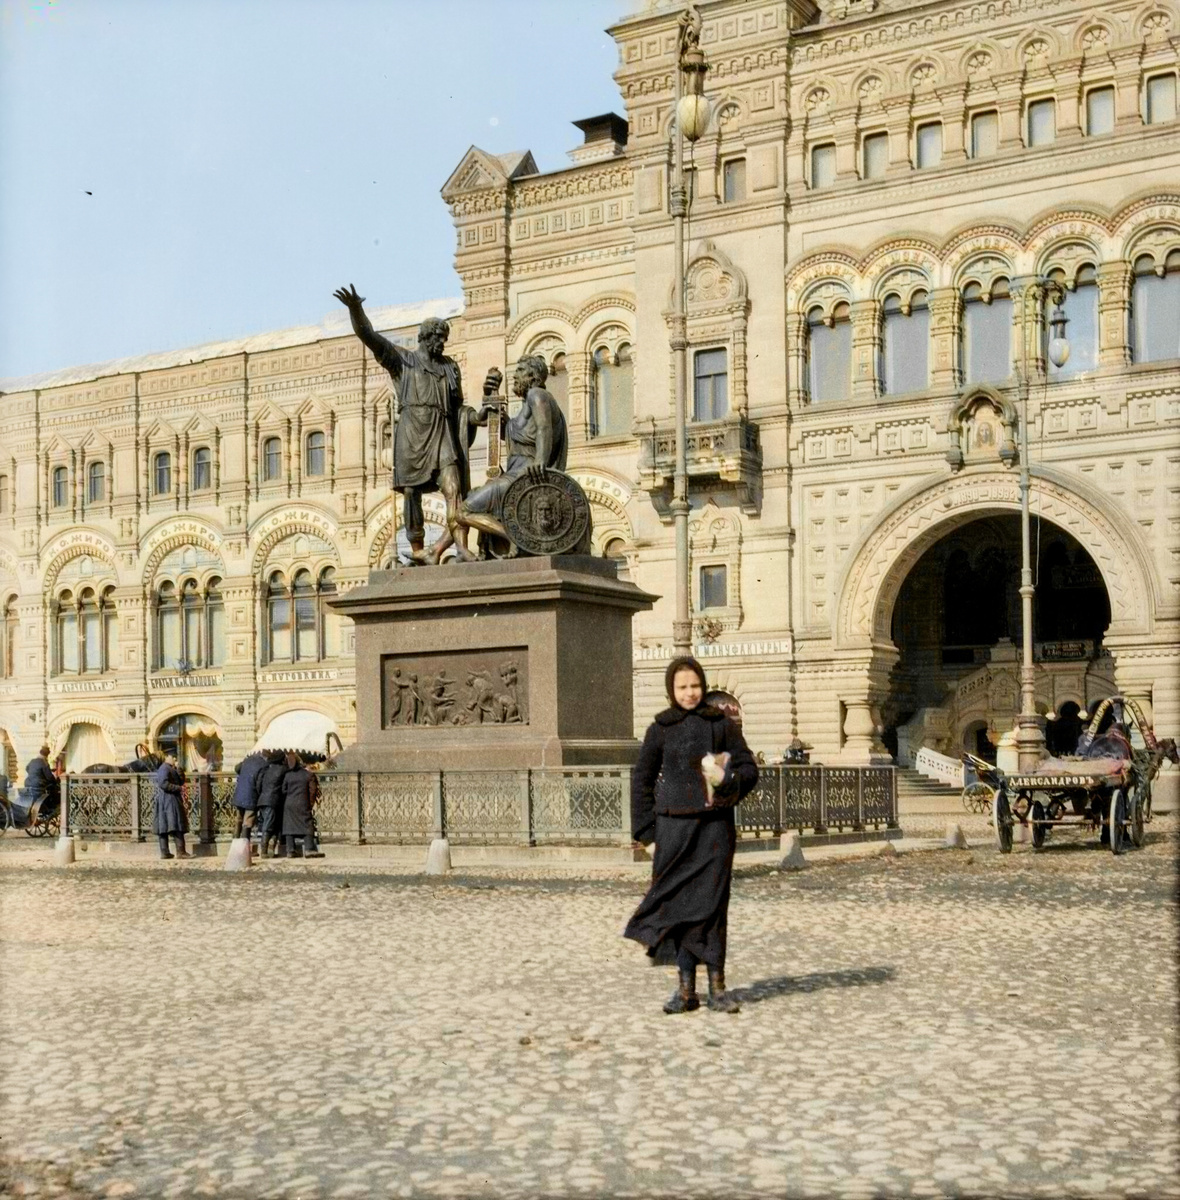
(881, 188)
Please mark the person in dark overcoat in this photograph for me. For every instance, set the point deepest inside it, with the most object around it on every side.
(299, 795)
(40, 781)
(169, 817)
(268, 795)
(245, 801)
(682, 919)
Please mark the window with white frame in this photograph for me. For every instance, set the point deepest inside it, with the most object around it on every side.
(874, 155)
(928, 145)
(733, 181)
(611, 392)
(60, 479)
(202, 469)
(905, 344)
(1080, 307)
(1041, 119)
(829, 354)
(823, 165)
(1159, 99)
(987, 333)
(96, 483)
(272, 459)
(713, 587)
(558, 383)
(189, 625)
(162, 473)
(300, 626)
(315, 460)
(1099, 111)
(1155, 308)
(85, 631)
(8, 628)
(710, 385)
(985, 134)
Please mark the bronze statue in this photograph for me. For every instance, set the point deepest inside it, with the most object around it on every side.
(433, 428)
(536, 438)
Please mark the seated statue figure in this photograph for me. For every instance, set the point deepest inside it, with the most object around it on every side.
(536, 437)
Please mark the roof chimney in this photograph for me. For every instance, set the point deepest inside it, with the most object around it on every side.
(605, 137)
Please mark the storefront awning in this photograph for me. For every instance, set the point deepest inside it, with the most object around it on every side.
(301, 730)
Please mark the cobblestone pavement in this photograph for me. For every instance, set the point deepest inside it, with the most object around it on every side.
(944, 1023)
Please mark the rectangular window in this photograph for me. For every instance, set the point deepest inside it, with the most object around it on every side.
(733, 181)
(985, 134)
(1042, 122)
(1160, 99)
(163, 480)
(60, 487)
(305, 646)
(713, 587)
(169, 638)
(875, 155)
(280, 629)
(928, 145)
(69, 642)
(823, 166)
(710, 385)
(91, 640)
(97, 484)
(315, 454)
(202, 470)
(1099, 111)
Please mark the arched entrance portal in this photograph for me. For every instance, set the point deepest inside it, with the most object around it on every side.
(956, 624)
(195, 740)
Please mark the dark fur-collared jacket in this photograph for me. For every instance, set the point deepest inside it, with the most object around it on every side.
(667, 779)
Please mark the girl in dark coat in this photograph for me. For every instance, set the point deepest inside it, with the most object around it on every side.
(269, 794)
(168, 814)
(299, 794)
(682, 918)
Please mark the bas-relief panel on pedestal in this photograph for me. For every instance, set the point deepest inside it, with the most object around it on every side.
(455, 688)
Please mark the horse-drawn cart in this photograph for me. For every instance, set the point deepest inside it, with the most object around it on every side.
(1106, 786)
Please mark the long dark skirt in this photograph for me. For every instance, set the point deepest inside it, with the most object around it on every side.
(687, 904)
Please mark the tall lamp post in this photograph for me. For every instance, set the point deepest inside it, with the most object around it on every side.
(1030, 736)
(692, 117)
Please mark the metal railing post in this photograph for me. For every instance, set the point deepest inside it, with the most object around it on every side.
(358, 810)
(781, 828)
(132, 788)
(205, 801)
(64, 808)
(526, 808)
(823, 801)
(440, 812)
(860, 798)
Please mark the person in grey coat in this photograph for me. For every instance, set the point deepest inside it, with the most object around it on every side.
(268, 793)
(299, 795)
(245, 800)
(169, 816)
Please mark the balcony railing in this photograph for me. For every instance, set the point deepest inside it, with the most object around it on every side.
(725, 452)
(553, 806)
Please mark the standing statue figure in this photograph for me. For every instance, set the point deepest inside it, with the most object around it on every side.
(433, 428)
(536, 438)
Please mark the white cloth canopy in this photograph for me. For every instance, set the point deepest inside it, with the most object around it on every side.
(86, 745)
(301, 730)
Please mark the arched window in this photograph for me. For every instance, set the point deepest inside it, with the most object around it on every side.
(614, 549)
(214, 624)
(162, 474)
(905, 344)
(1155, 308)
(91, 631)
(96, 483)
(316, 455)
(829, 354)
(1081, 330)
(202, 468)
(168, 636)
(611, 398)
(303, 594)
(67, 634)
(710, 385)
(987, 333)
(8, 634)
(110, 630)
(558, 383)
(191, 650)
(278, 618)
(329, 618)
(272, 459)
(61, 487)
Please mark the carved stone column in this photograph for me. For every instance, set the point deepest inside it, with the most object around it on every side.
(796, 360)
(866, 348)
(1008, 105)
(953, 101)
(946, 307)
(1114, 314)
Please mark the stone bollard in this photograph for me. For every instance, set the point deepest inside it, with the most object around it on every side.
(63, 851)
(238, 857)
(886, 850)
(956, 839)
(791, 848)
(438, 857)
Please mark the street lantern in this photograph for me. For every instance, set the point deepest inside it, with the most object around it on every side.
(1058, 346)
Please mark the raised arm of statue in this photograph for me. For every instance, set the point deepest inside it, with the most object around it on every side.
(384, 351)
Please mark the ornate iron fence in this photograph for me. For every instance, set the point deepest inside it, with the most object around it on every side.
(550, 806)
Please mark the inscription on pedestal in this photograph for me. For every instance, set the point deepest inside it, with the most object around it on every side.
(450, 688)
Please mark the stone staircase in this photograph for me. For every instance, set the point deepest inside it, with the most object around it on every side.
(918, 794)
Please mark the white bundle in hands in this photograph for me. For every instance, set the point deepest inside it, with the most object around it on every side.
(713, 767)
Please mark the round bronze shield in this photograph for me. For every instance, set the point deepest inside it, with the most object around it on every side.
(546, 512)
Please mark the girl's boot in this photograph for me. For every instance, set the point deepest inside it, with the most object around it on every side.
(719, 999)
(684, 998)
(164, 851)
(181, 852)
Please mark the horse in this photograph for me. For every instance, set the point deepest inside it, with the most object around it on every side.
(145, 764)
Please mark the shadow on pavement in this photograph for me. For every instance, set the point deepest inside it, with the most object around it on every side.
(786, 985)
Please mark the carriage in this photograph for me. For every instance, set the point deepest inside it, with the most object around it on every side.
(40, 818)
(1105, 786)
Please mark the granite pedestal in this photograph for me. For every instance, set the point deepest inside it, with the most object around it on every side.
(493, 665)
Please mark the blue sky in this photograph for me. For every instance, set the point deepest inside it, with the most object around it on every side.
(181, 171)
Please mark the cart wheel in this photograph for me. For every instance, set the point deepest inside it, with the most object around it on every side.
(1039, 828)
(1136, 829)
(977, 797)
(1002, 820)
(1117, 821)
